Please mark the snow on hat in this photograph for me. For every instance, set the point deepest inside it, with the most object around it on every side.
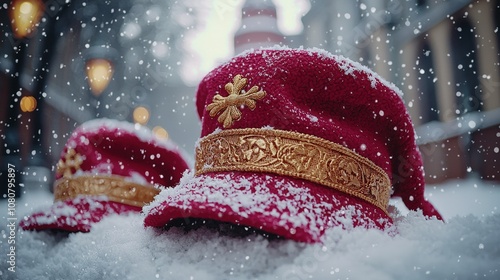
(295, 141)
(107, 167)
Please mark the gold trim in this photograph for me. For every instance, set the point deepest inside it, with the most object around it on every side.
(297, 155)
(114, 187)
(236, 99)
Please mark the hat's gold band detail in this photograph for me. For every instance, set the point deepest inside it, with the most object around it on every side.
(296, 155)
(115, 188)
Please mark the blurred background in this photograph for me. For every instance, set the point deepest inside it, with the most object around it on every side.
(63, 62)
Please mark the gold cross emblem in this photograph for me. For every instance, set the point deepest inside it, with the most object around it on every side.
(72, 160)
(236, 99)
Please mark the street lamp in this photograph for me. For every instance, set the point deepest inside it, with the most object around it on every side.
(99, 67)
(28, 104)
(99, 62)
(24, 16)
(99, 74)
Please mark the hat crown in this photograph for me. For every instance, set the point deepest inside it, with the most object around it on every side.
(313, 92)
(112, 147)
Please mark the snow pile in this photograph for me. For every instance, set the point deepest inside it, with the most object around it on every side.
(465, 247)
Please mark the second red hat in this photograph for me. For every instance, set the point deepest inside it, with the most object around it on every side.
(107, 167)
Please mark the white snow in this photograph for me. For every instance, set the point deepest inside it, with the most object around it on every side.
(467, 246)
(312, 118)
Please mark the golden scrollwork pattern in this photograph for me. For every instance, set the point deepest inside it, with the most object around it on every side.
(230, 104)
(115, 188)
(297, 155)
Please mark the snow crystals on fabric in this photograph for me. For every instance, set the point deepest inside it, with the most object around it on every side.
(292, 205)
(348, 66)
(71, 214)
(244, 196)
(143, 133)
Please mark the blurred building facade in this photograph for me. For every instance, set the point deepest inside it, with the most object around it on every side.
(444, 56)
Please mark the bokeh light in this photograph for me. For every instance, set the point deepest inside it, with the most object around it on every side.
(141, 115)
(28, 104)
(99, 73)
(160, 132)
(25, 15)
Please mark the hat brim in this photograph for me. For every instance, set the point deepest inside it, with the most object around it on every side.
(76, 215)
(292, 208)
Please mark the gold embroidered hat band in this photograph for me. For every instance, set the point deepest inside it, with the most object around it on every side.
(296, 155)
(115, 188)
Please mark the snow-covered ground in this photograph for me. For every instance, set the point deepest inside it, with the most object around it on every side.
(467, 246)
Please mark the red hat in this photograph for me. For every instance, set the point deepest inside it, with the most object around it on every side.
(106, 167)
(296, 141)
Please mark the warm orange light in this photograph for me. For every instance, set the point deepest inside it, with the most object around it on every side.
(28, 104)
(99, 73)
(25, 15)
(141, 115)
(160, 132)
